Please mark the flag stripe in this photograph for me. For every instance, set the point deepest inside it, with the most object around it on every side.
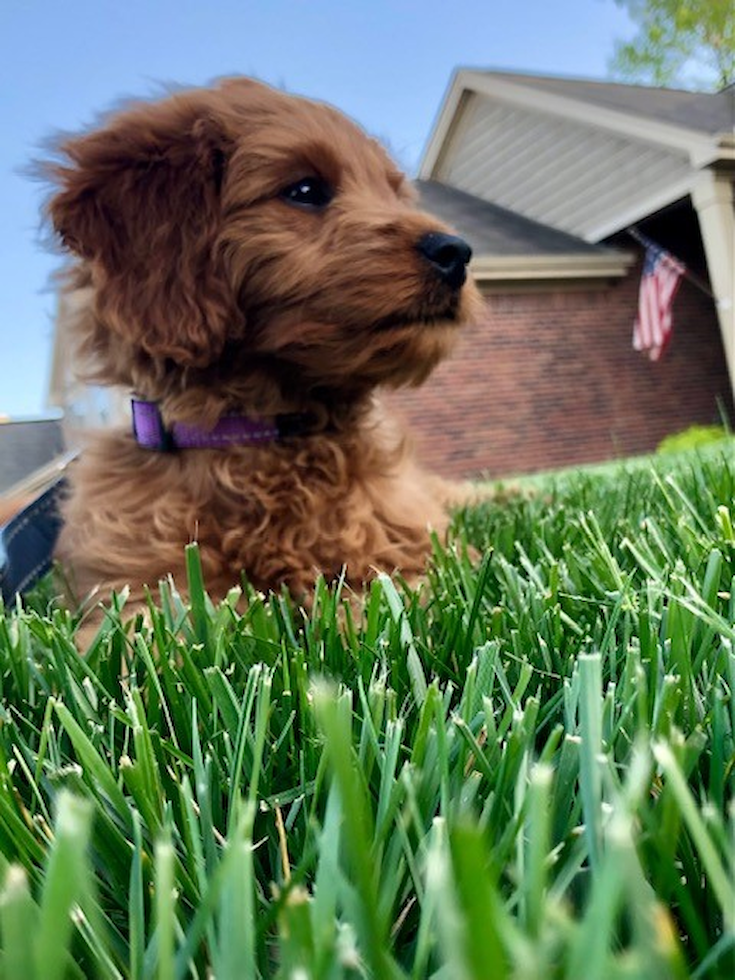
(660, 280)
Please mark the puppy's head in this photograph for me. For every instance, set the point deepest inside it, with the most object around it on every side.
(235, 224)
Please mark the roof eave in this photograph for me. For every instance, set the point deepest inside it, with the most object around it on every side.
(445, 123)
(696, 144)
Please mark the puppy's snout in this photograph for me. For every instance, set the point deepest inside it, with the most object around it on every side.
(448, 255)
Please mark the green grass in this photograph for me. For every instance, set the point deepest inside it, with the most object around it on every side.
(525, 770)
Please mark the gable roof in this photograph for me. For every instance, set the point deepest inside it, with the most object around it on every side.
(589, 158)
(698, 127)
(706, 112)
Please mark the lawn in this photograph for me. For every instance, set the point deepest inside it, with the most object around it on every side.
(523, 770)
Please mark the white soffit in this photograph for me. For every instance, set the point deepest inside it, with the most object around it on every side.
(562, 170)
(697, 145)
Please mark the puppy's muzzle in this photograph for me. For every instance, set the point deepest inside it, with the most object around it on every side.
(448, 255)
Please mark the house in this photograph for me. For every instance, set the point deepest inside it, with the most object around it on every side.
(544, 176)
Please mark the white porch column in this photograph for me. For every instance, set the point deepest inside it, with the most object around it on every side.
(712, 196)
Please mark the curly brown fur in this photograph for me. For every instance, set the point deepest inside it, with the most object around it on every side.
(207, 292)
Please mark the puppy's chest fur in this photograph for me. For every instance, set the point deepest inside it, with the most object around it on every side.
(277, 513)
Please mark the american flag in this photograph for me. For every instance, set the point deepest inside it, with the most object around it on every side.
(659, 283)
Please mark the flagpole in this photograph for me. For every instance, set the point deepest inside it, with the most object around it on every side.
(695, 280)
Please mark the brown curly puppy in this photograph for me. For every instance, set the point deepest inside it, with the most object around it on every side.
(251, 260)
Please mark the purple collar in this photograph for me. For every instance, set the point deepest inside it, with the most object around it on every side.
(231, 430)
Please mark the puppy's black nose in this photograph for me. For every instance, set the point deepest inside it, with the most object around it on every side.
(448, 254)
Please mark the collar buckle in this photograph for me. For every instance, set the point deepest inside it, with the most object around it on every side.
(148, 428)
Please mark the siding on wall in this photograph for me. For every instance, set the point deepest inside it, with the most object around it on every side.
(550, 379)
(557, 171)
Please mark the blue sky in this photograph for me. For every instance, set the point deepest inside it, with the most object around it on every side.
(386, 63)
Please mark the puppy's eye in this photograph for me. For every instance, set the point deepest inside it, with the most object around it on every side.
(309, 192)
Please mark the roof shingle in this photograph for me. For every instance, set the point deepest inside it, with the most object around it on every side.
(492, 230)
(706, 112)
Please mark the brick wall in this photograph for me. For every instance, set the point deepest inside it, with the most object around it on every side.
(550, 379)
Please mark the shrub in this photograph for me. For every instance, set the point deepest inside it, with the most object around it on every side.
(694, 437)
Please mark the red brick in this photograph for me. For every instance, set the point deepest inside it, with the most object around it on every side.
(551, 379)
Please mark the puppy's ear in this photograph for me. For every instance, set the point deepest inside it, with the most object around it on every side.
(140, 200)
